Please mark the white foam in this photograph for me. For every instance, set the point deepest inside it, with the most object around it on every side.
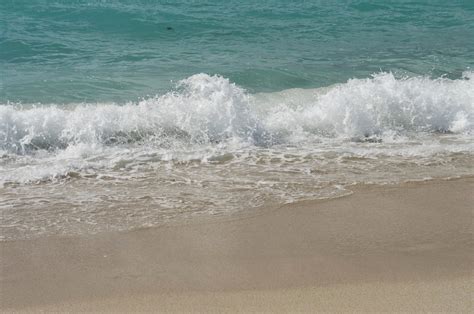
(209, 115)
(371, 107)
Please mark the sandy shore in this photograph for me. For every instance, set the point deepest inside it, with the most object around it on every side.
(391, 248)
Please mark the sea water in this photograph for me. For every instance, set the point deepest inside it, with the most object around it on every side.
(117, 115)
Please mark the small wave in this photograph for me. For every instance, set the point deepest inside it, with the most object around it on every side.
(207, 109)
(203, 109)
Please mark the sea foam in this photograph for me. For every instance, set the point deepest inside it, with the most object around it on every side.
(207, 116)
(209, 109)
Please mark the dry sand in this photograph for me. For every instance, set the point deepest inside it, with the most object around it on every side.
(384, 248)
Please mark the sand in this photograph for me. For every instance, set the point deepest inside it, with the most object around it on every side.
(385, 248)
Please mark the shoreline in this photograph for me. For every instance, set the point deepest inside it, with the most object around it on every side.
(411, 240)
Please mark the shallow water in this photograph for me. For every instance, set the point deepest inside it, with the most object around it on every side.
(108, 122)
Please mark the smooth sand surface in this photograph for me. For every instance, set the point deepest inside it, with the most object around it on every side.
(384, 248)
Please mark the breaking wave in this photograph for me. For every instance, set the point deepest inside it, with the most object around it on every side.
(208, 118)
(210, 109)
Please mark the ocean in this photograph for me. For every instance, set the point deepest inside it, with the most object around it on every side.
(117, 115)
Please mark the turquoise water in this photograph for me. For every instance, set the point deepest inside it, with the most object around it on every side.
(100, 51)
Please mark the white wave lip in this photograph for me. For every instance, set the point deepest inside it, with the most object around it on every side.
(207, 109)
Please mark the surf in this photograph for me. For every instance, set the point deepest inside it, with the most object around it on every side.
(243, 149)
(205, 109)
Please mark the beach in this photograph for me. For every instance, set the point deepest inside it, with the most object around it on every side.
(236, 156)
(404, 247)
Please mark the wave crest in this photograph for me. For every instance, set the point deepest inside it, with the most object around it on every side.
(208, 109)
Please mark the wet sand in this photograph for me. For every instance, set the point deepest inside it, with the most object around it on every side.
(385, 248)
